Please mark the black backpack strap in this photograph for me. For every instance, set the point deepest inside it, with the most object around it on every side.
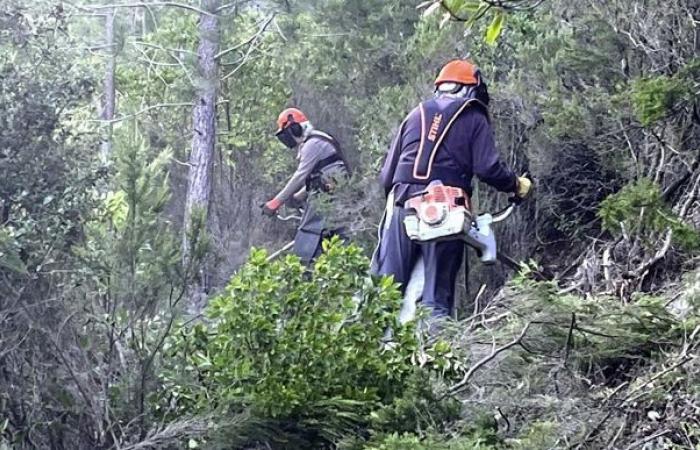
(432, 134)
(339, 155)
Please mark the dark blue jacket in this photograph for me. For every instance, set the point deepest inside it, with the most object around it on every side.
(467, 149)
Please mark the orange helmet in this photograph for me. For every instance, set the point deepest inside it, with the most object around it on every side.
(459, 71)
(290, 116)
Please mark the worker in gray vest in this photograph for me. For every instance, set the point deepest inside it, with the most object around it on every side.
(321, 165)
(447, 138)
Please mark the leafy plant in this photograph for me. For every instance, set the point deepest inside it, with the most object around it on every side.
(599, 333)
(653, 98)
(639, 207)
(297, 347)
(408, 441)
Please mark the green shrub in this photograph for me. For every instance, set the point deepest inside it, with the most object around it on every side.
(639, 206)
(653, 98)
(419, 407)
(606, 333)
(408, 441)
(300, 350)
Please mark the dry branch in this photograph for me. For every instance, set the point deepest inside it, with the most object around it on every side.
(253, 43)
(647, 439)
(152, 4)
(171, 433)
(248, 41)
(472, 370)
(630, 396)
(146, 109)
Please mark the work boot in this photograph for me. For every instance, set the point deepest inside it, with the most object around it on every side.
(435, 326)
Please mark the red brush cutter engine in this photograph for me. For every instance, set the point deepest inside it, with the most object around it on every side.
(438, 212)
(443, 213)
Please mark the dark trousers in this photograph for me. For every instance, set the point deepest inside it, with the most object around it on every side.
(397, 254)
(310, 234)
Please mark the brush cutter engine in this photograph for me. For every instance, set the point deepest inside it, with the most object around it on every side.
(442, 213)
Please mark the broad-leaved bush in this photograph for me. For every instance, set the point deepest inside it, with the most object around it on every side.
(297, 346)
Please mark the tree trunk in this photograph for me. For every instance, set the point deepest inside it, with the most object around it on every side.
(109, 94)
(202, 157)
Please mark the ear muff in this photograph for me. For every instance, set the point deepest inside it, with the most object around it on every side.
(294, 127)
(296, 130)
(479, 91)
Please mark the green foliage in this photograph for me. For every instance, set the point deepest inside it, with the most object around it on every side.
(407, 441)
(299, 347)
(419, 407)
(47, 177)
(472, 11)
(653, 98)
(605, 331)
(494, 29)
(131, 279)
(639, 207)
(382, 115)
(89, 257)
(10, 252)
(129, 237)
(539, 435)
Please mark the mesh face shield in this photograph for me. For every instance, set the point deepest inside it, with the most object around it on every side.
(286, 137)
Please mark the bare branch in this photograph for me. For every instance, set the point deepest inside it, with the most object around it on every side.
(630, 396)
(648, 438)
(254, 40)
(569, 339)
(144, 110)
(148, 5)
(506, 5)
(247, 41)
(472, 370)
(172, 432)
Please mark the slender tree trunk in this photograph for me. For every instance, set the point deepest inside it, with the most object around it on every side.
(109, 94)
(203, 142)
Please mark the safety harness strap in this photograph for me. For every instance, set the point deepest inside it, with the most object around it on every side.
(432, 134)
(314, 180)
(338, 156)
(417, 162)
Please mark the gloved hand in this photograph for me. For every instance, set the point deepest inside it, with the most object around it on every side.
(523, 187)
(270, 208)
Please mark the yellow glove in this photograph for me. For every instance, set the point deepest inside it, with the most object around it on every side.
(523, 187)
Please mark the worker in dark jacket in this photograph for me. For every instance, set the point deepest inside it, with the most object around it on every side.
(447, 138)
(321, 164)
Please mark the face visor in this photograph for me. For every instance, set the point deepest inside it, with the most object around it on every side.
(286, 137)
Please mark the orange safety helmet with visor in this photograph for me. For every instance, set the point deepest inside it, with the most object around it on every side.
(289, 126)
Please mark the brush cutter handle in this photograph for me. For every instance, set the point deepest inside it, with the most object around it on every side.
(290, 216)
(504, 213)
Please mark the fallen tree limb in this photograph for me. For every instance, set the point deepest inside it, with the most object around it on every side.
(630, 395)
(152, 4)
(647, 439)
(472, 370)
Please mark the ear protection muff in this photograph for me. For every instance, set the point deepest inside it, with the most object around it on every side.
(294, 127)
(479, 91)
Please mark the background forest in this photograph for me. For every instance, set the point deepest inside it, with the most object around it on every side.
(136, 145)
